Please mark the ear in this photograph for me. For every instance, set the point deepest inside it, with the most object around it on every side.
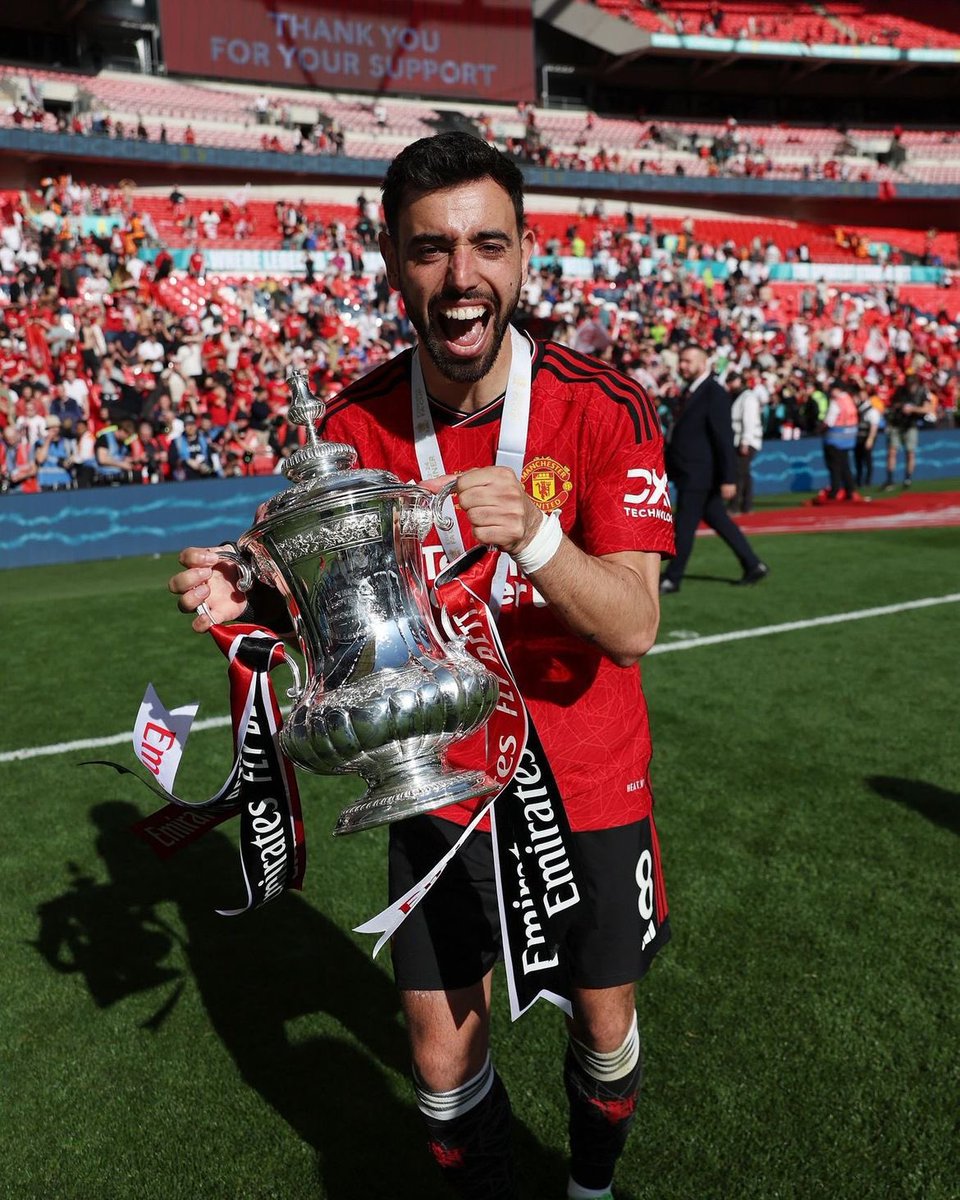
(389, 253)
(528, 243)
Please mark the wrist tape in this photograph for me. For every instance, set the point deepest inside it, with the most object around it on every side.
(542, 546)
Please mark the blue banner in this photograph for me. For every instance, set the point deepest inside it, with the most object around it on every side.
(119, 522)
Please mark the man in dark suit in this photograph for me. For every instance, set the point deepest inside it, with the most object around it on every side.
(702, 464)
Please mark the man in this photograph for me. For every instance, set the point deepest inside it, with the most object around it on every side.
(839, 438)
(590, 336)
(702, 464)
(746, 416)
(868, 427)
(55, 457)
(114, 460)
(191, 456)
(77, 391)
(18, 467)
(910, 406)
(579, 608)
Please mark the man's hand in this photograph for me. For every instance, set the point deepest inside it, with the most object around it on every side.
(210, 581)
(500, 512)
(728, 491)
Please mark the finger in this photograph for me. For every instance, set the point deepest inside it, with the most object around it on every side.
(199, 556)
(494, 514)
(436, 483)
(185, 581)
(189, 601)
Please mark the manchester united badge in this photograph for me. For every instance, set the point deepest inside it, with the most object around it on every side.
(547, 482)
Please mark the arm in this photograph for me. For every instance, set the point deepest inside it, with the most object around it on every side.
(612, 601)
(42, 451)
(720, 432)
(106, 459)
(873, 430)
(753, 420)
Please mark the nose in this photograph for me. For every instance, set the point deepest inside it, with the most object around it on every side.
(461, 269)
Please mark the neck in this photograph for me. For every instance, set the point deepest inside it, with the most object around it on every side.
(469, 397)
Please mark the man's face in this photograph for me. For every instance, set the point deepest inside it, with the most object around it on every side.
(459, 261)
(692, 363)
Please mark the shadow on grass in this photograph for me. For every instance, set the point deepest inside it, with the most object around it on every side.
(695, 577)
(258, 975)
(938, 805)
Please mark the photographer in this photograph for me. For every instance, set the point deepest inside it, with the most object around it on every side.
(191, 455)
(56, 458)
(251, 447)
(113, 451)
(18, 469)
(149, 453)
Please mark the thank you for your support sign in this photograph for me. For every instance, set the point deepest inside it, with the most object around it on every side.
(477, 49)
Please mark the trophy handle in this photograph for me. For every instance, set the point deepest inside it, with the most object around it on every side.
(230, 552)
(440, 519)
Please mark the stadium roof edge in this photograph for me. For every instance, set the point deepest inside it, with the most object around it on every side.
(622, 39)
(589, 24)
(747, 47)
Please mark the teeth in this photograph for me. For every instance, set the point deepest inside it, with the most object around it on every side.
(464, 314)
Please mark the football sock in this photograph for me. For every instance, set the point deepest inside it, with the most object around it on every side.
(576, 1192)
(469, 1135)
(602, 1090)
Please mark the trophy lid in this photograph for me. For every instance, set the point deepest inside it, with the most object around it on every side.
(318, 470)
(317, 458)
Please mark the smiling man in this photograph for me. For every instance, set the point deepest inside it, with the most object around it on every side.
(558, 462)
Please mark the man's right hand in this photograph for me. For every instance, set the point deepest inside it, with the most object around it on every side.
(211, 581)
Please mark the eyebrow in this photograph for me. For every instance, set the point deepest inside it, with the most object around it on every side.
(485, 235)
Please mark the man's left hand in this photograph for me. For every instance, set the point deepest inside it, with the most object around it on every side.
(728, 491)
(500, 512)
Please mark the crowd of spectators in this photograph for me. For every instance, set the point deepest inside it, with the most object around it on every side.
(658, 147)
(101, 382)
(819, 26)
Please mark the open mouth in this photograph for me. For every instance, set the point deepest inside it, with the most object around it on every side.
(463, 326)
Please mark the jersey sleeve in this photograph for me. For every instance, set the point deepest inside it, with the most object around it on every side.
(625, 504)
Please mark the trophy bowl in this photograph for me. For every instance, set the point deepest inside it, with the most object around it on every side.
(385, 694)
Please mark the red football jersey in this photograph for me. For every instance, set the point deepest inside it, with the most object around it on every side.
(595, 454)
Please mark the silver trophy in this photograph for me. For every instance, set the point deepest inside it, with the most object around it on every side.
(385, 694)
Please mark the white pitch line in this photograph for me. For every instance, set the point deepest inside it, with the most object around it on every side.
(736, 635)
(739, 635)
(115, 739)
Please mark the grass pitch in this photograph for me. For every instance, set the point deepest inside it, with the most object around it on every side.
(800, 1031)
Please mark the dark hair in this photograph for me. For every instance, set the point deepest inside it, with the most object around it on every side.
(442, 161)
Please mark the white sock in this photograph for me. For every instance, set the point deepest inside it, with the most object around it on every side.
(576, 1192)
(614, 1064)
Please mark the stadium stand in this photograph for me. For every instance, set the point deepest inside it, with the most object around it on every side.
(126, 309)
(923, 25)
(306, 123)
(185, 379)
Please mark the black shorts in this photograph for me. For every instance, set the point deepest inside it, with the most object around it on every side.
(452, 938)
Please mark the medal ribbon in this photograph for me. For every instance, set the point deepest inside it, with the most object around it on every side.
(511, 445)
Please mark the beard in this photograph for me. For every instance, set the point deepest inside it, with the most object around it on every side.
(452, 366)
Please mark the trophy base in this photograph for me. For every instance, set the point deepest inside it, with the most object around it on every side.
(398, 798)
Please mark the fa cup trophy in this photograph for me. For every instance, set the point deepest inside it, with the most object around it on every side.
(385, 694)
